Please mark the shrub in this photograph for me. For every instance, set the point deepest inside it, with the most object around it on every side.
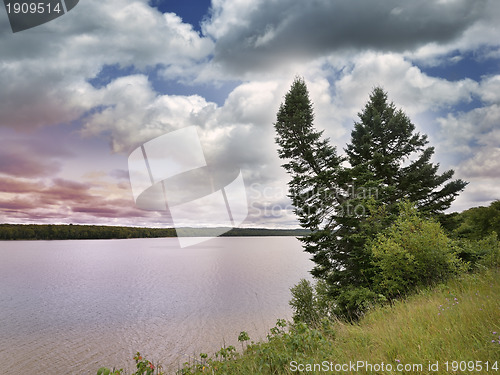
(310, 303)
(480, 253)
(411, 253)
(478, 222)
(303, 302)
(354, 301)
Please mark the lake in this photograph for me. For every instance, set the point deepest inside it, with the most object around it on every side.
(69, 307)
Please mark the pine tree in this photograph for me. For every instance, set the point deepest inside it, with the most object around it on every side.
(315, 168)
(346, 207)
(383, 141)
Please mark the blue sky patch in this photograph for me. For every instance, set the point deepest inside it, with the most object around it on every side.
(191, 11)
(456, 66)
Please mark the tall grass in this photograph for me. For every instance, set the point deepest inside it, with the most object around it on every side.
(453, 328)
(457, 321)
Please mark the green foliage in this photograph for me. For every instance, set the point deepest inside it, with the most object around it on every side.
(346, 207)
(310, 303)
(314, 166)
(382, 141)
(303, 302)
(242, 337)
(107, 371)
(77, 232)
(144, 367)
(478, 222)
(480, 253)
(411, 253)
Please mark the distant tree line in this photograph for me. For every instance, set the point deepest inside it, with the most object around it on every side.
(475, 223)
(91, 232)
(78, 232)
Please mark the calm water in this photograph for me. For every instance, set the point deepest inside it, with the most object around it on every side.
(68, 307)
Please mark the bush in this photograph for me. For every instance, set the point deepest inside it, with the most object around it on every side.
(480, 253)
(491, 250)
(411, 253)
(354, 301)
(478, 222)
(310, 303)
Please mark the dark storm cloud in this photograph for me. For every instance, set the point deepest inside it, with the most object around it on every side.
(278, 30)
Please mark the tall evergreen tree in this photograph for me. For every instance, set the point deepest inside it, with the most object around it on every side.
(315, 169)
(388, 164)
(383, 141)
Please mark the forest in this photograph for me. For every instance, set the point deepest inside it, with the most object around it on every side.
(100, 232)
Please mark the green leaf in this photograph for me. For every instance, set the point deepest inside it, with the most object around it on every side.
(103, 371)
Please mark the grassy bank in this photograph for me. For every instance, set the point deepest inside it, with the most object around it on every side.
(454, 328)
(458, 321)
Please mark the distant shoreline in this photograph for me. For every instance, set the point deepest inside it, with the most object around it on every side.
(13, 232)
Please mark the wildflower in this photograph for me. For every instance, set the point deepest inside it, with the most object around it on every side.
(151, 366)
(494, 333)
(397, 360)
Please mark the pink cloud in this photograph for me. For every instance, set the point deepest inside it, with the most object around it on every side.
(11, 185)
(20, 164)
(63, 201)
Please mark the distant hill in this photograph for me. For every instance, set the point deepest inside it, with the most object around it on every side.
(87, 232)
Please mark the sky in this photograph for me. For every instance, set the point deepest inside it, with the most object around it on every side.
(80, 93)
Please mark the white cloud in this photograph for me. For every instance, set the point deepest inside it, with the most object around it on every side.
(473, 138)
(490, 89)
(407, 86)
(134, 113)
(44, 70)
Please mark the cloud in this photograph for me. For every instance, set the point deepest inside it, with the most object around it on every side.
(342, 48)
(262, 35)
(473, 139)
(44, 70)
(406, 84)
(480, 37)
(134, 113)
(24, 157)
(18, 186)
(477, 128)
(68, 201)
(24, 165)
(485, 163)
